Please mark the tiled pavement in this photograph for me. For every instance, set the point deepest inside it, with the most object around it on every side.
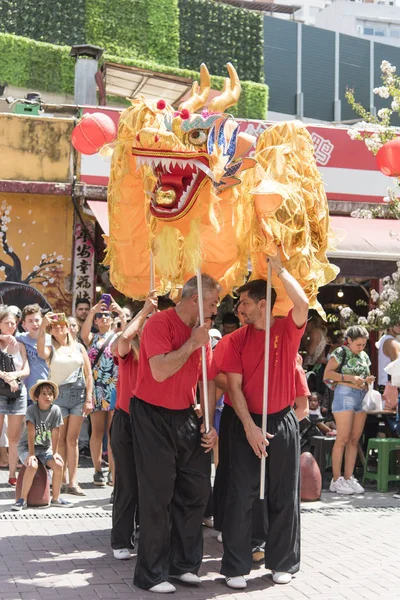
(350, 551)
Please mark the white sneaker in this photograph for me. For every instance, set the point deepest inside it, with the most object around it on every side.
(281, 577)
(341, 486)
(219, 537)
(122, 554)
(237, 583)
(356, 487)
(189, 578)
(165, 587)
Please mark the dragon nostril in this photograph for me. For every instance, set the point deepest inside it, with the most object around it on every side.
(157, 138)
(138, 137)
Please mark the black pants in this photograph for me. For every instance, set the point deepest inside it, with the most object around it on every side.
(125, 502)
(282, 506)
(222, 478)
(173, 492)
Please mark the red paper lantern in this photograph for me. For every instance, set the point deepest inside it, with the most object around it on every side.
(92, 132)
(388, 158)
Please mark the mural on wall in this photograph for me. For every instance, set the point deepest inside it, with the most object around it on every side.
(36, 246)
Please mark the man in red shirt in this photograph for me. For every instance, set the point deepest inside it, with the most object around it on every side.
(125, 502)
(170, 452)
(243, 362)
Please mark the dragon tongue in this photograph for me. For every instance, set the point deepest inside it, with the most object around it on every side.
(172, 180)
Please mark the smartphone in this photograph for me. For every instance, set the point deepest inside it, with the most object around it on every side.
(58, 318)
(107, 299)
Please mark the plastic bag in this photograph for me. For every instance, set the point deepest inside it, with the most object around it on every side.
(393, 369)
(372, 400)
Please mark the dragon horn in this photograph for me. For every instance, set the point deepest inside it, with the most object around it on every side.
(230, 94)
(197, 100)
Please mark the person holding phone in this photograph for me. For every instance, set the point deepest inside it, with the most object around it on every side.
(70, 369)
(351, 386)
(105, 374)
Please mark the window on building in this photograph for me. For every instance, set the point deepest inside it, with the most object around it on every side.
(368, 31)
(395, 33)
(380, 32)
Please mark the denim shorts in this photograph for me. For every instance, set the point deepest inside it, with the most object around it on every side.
(44, 456)
(15, 407)
(347, 398)
(71, 399)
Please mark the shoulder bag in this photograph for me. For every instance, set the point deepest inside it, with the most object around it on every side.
(7, 365)
(102, 348)
(329, 382)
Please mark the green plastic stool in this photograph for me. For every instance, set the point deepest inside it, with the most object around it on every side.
(384, 446)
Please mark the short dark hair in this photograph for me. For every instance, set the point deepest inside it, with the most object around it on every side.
(257, 290)
(30, 309)
(39, 388)
(82, 300)
(230, 318)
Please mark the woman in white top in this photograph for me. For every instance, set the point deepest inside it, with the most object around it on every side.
(70, 369)
(14, 408)
(388, 351)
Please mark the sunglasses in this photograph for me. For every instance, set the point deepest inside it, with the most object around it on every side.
(101, 315)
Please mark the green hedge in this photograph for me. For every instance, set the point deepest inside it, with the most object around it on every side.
(55, 21)
(30, 64)
(141, 28)
(216, 33)
(37, 65)
(146, 29)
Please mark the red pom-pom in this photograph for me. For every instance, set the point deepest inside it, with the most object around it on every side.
(161, 104)
(92, 132)
(185, 114)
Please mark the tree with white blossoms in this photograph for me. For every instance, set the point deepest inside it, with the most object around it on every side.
(375, 131)
(386, 313)
(41, 274)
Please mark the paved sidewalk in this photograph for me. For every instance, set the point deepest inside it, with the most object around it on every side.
(350, 550)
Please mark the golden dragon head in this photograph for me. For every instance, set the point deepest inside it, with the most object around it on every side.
(186, 151)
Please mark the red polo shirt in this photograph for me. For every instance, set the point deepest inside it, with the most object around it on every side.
(218, 356)
(244, 354)
(165, 332)
(127, 374)
(301, 384)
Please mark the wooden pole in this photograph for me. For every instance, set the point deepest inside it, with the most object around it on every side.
(152, 277)
(266, 372)
(203, 353)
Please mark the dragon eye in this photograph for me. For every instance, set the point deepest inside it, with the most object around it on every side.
(197, 137)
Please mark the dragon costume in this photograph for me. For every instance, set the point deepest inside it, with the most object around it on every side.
(182, 187)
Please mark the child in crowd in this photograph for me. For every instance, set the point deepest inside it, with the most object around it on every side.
(315, 415)
(39, 441)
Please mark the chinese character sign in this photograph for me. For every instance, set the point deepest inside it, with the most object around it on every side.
(84, 262)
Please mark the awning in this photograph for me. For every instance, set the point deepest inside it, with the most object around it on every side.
(127, 82)
(366, 239)
(100, 211)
